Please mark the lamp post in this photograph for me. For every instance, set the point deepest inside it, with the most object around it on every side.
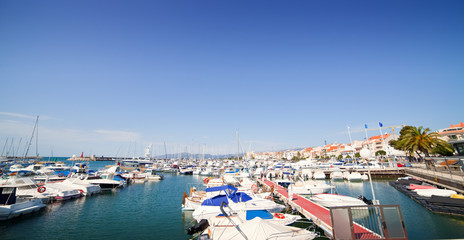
(366, 154)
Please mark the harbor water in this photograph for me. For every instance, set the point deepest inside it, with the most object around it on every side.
(153, 211)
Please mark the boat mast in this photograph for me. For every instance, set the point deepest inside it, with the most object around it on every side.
(32, 136)
(238, 148)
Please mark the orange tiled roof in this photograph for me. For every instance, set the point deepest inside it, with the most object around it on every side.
(379, 137)
(461, 124)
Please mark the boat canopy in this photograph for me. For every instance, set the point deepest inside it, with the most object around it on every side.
(7, 195)
(231, 193)
(264, 214)
(215, 201)
(229, 190)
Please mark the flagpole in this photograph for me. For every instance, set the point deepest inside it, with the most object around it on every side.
(351, 141)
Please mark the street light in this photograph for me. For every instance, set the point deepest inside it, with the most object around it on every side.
(366, 154)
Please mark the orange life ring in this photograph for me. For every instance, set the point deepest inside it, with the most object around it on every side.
(254, 188)
(279, 215)
(60, 175)
(206, 180)
(41, 189)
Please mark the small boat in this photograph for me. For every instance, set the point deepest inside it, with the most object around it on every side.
(353, 177)
(336, 176)
(11, 206)
(310, 187)
(415, 186)
(364, 177)
(335, 200)
(319, 175)
(151, 175)
(436, 192)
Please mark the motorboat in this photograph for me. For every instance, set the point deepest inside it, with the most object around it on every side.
(135, 176)
(151, 175)
(61, 191)
(252, 225)
(187, 170)
(58, 167)
(353, 176)
(105, 184)
(84, 189)
(364, 177)
(336, 175)
(310, 187)
(319, 175)
(334, 200)
(11, 206)
(236, 200)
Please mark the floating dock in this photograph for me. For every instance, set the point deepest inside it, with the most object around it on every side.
(317, 213)
(452, 206)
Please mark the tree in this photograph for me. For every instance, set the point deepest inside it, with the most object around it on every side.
(380, 152)
(358, 155)
(396, 143)
(419, 140)
(443, 151)
(340, 157)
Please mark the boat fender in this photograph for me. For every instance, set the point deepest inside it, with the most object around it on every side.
(206, 180)
(279, 215)
(202, 225)
(41, 189)
(365, 200)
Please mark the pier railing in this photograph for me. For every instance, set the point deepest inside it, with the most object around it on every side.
(447, 172)
(368, 222)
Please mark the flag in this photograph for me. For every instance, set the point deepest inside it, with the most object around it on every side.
(380, 124)
(365, 126)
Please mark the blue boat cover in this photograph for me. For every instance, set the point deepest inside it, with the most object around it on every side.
(215, 201)
(65, 173)
(229, 190)
(264, 214)
(240, 197)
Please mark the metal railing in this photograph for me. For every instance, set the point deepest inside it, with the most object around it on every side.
(447, 167)
(368, 222)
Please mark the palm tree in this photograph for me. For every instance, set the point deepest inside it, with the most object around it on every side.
(420, 140)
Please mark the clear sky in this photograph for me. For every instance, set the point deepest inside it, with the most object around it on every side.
(110, 77)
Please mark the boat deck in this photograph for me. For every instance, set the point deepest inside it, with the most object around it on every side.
(319, 214)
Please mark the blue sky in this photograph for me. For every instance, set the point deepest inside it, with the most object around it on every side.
(106, 75)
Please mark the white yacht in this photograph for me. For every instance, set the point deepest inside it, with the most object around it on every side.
(11, 206)
(236, 200)
(310, 187)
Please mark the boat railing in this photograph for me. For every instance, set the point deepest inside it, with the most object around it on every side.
(224, 204)
(368, 222)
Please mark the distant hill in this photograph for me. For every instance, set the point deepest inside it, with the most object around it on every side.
(196, 156)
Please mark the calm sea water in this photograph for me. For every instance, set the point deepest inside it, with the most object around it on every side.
(152, 211)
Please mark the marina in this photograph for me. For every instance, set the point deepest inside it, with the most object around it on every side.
(152, 210)
(231, 120)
